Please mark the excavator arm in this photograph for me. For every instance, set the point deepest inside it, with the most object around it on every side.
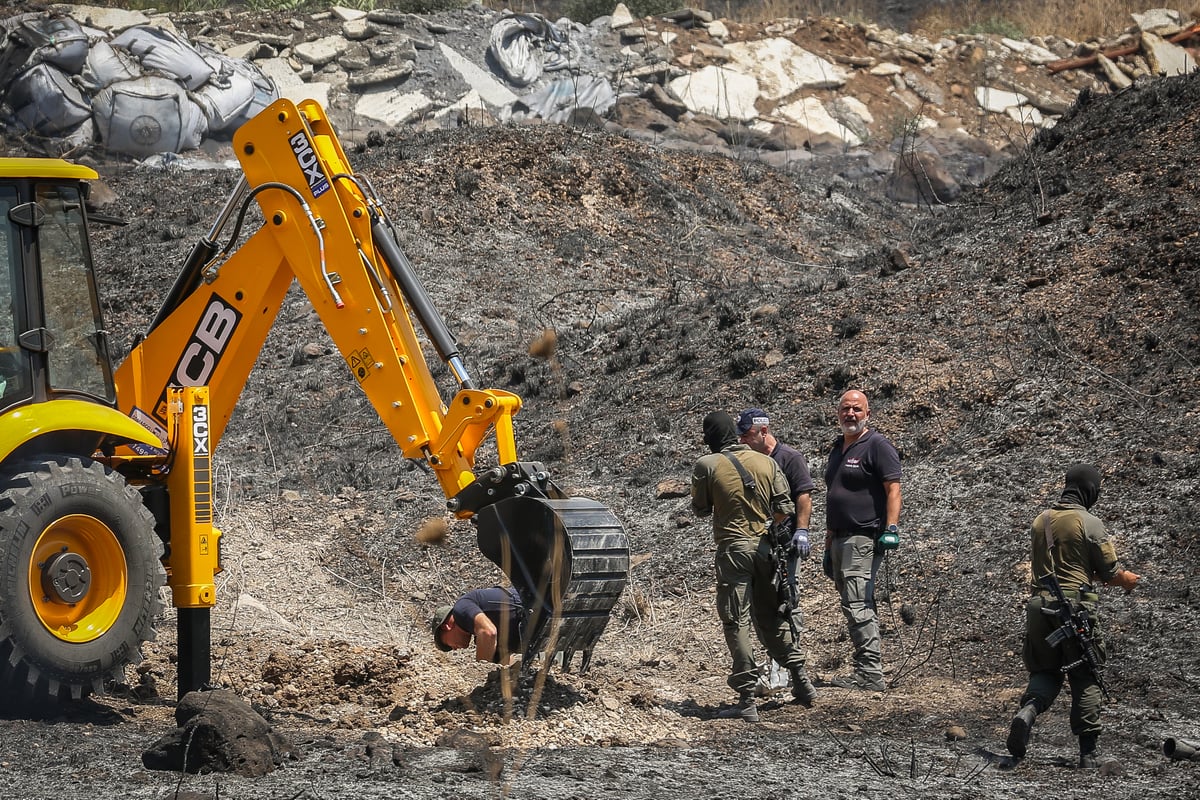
(325, 228)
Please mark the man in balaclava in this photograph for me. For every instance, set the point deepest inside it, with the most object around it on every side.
(743, 490)
(1072, 545)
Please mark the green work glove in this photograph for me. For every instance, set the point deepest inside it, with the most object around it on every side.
(888, 540)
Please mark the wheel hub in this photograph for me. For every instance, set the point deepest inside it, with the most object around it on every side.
(66, 577)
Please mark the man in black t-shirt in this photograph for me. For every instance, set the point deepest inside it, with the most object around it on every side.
(494, 617)
(862, 515)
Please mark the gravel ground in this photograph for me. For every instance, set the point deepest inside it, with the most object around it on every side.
(1047, 317)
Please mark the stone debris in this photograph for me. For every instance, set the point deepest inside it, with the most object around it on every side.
(791, 86)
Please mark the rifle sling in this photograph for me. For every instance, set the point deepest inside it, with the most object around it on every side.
(748, 482)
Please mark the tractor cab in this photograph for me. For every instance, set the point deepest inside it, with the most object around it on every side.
(52, 340)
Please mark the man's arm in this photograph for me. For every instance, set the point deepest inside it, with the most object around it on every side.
(803, 510)
(782, 506)
(701, 501)
(892, 489)
(485, 638)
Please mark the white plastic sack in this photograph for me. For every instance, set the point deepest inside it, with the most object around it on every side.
(147, 115)
(106, 65)
(265, 93)
(46, 101)
(160, 50)
(771, 678)
(556, 101)
(524, 45)
(236, 91)
(56, 40)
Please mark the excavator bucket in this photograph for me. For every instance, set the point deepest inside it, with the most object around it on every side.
(568, 558)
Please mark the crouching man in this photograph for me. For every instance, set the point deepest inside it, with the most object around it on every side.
(494, 618)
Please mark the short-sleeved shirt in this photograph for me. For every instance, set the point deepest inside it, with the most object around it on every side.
(718, 489)
(795, 469)
(502, 606)
(856, 501)
(1083, 552)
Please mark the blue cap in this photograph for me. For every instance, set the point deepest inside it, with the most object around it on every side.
(751, 418)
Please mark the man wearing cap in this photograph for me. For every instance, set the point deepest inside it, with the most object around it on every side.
(742, 490)
(753, 427)
(493, 617)
(862, 516)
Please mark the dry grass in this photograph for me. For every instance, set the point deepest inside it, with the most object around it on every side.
(1075, 19)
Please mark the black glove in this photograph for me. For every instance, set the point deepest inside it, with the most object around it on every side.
(800, 545)
(827, 564)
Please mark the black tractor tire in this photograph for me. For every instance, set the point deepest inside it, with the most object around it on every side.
(80, 579)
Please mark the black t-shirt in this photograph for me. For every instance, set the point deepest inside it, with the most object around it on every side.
(795, 469)
(502, 606)
(856, 500)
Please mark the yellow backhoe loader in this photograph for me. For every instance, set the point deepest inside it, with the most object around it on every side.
(105, 475)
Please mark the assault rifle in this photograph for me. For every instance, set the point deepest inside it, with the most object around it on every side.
(785, 572)
(1074, 624)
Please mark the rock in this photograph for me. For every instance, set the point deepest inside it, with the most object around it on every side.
(218, 732)
(665, 103)
(718, 91)
(110, 19)
(1029, 51)
(998, 101)
(781, 67)
(1162, 21)
(391, 107)
(672, 488)
(638, 114)
(924, 88)
(380, 75)
(821, 128)
(620, 18)
(921, 177)
(322, 51)
(717, 29)
(357, 30)
(1115, 76)
(1166, 58)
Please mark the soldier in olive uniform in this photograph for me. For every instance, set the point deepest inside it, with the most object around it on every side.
(1073, 545)
(743, 491)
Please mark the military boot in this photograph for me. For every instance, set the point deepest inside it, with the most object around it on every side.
(802, 688)
(1018, 732)
(1089, 756)
(744, 710)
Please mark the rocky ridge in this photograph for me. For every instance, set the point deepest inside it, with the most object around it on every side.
(785, 91)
